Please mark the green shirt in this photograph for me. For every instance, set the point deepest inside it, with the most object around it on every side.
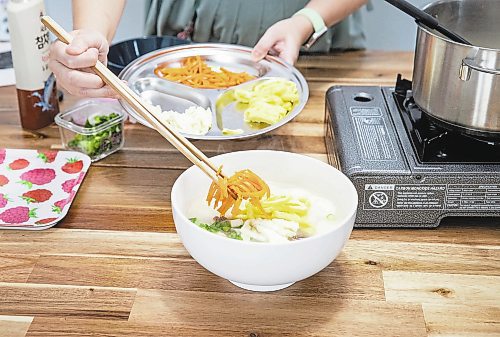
(242, 22)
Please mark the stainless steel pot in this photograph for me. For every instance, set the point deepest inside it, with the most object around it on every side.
(456, 83)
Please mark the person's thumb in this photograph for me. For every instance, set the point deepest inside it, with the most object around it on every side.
(289, 53)
(266, 42)
(77, 46)
(84, 41)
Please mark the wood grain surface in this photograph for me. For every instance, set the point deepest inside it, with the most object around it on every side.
(115, 266)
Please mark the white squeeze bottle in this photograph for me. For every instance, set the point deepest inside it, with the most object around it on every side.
(36, 89)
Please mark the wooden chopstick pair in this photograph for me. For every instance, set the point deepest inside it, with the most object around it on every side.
(190, 151)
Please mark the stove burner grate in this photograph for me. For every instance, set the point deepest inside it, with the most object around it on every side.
(434, 142)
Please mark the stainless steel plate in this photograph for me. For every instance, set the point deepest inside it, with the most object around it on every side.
(174, 96)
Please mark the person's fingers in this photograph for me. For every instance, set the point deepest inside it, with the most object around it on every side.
(266, 42)
(98, 41)
(71, 64)
(75, 78)
(81, 83)
(84, 40)
(105, 91)
(290, 53)
(84, 60)
(273, 52)
(90, 42)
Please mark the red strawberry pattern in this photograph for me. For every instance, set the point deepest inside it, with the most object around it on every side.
(3, 180)
(17, 215)
(51, 180)
(19, 164)
(72, 166)
(48, 156)
(37, 196)
(3, 200)
(38, 177)
(45, 221)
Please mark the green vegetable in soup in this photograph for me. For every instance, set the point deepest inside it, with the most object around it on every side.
(220, 225)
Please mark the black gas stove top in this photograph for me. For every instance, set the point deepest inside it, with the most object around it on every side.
(409, 169)
(436, 141)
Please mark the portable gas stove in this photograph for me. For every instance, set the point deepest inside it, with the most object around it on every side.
(409, 170)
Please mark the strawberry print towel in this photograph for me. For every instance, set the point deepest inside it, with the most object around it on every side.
(37, 187)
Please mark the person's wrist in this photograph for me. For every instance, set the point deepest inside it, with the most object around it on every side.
(102, 32)
(317, 22)
(304, 26)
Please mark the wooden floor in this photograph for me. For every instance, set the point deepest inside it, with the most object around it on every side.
(115, 266)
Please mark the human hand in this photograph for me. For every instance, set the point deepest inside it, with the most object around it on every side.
(284, 39)
(71, 64)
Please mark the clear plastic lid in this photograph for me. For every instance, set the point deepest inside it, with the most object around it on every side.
(81, 116)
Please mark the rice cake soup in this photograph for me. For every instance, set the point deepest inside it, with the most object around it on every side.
(289, 214)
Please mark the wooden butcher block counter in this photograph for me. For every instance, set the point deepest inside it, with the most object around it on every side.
(115, 266)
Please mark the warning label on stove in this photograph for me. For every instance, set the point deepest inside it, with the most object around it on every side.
(470, 197)
(374, 141)
(419, 196)
(467, 197)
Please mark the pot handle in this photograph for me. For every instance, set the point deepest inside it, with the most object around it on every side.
(468, 64)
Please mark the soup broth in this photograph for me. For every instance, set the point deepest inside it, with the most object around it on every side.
(290, 214)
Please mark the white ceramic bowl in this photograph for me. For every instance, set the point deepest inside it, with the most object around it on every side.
(266, 266)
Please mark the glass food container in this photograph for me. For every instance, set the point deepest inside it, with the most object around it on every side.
(93, 127)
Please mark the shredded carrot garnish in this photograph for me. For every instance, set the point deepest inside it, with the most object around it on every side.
(245, 185)
(196, 73)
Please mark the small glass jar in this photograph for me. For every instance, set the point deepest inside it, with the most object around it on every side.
(93, 127)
